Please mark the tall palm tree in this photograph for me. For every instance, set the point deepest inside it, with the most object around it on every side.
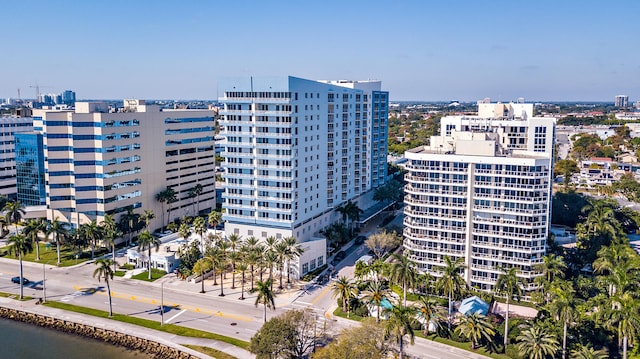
(235, 241)
(281, 250)
(146, 241)
(111, 232)
(270, 259)
(536, 343)
(508, 284)
(220, 265)
(147, 216)
(475, 327)
(399, 325)
(428, 308)
(92, 234)
(195, 193)
(624, 317)
(242, 268)
(294, 251)
(104, 271)
(14, 212)
(32, 230)
(60, 232)
(404, 273)
(563, 307)
(265, 296)
(166, 197)
(451, 282)
(553, 266)
(19, 245)
(587, 352)
(185, 232)
(202, 265)
(375, 293)
(200, 228)
(128, 222)
(345, 290)
(253, 258)
(214, 218)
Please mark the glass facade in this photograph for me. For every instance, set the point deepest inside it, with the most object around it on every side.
(30, 169)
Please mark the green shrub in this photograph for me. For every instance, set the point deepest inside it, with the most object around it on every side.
(127, 266)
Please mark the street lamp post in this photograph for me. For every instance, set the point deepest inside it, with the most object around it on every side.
(44, 283)
(162, 303)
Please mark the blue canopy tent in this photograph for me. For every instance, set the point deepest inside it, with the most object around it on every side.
(473, 305)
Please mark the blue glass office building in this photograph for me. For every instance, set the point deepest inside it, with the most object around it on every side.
(30, 169)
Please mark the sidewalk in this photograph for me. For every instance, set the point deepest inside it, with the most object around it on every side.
(168, 339)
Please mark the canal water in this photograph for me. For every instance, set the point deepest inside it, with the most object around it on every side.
(24, 341)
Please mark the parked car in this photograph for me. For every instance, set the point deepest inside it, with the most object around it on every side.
(360, 240)
(17, 280)
(340, 256)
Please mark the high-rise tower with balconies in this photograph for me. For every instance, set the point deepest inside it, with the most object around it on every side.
(481, 191)
(295, 150)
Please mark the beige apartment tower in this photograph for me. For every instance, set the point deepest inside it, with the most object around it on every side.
(103, 160)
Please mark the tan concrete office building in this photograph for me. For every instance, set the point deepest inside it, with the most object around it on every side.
(103, 160)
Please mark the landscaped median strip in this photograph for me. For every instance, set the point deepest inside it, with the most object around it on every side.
(167, 328)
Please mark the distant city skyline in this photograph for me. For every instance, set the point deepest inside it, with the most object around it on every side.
(422, 51)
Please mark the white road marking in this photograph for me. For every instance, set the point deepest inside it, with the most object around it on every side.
(175, 316)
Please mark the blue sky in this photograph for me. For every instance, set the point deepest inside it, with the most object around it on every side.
(421, 50)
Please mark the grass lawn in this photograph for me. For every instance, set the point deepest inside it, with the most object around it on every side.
(338, 312)
(151, 324)
(155, 274)
(214, 353)
(119, 273)
(464, 346)
(14, 296)
(67, 255)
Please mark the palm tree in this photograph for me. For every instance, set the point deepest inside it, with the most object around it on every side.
(145, 242)
(281, 251)
(536, 343)
(552, 266)
(32, 230)
(220, 265)
(199, 228)
(345, 290)
(587, 352)
(623, 316)
(242, 268)
(562, 307)
(253, 258)
(214, 218)
(270, 259)
(451, 282)
(475, 327)
(92, 233)
(428, 308)
(508, 284)
(399, 325)
(111, 232)
(374, 294)
(234, 242)
(166, 197)
(185, 232)
(195, 193)
(294, 251)
(147, 216)
(104, 271)
(14, 212)
(202, 265)
(19, 245)
(403, 272)
(265, 296)
(60, 232)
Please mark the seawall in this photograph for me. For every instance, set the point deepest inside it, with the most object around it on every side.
(150, 347)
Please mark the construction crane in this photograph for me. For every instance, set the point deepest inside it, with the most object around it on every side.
(18, 94)
(37, 87)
